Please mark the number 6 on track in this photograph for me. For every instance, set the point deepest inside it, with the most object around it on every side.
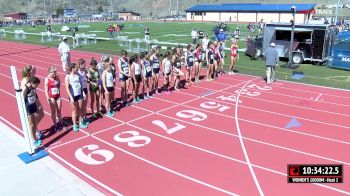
(165, 128)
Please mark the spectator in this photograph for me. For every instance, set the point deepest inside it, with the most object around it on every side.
(64, 51)
(110, 30)
(194, 35)
(147, 31)
(272, 59)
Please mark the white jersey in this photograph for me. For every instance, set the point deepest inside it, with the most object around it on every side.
(109, 79)
(137, 68)
(167, 66)
(74, 84)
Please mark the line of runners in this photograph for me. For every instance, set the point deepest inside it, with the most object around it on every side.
(99, 80)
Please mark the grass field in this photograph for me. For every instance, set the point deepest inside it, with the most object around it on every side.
(179, 32)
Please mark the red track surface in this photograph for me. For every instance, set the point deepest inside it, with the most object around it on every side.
(157, 148)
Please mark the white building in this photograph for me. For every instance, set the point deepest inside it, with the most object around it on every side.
(250, 12)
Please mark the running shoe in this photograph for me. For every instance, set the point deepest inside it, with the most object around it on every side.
(86, 121)
(83, 125)
(75, 128)
(110, 113)
(37, 143)
(38, 135)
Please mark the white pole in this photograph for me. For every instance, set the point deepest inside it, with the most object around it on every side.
(22, 113)
(336, 12)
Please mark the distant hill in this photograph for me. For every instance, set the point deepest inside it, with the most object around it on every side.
(145, 7)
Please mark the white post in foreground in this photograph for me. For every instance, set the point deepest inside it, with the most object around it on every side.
(22, 113)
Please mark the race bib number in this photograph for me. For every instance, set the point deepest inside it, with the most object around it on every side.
(156, 65)
(190, 59)
(31, 99)
(212, 56)
(178, 64)
(137, 71)
(55, 91)
(126, 70)
(77, 89)
(148, 68)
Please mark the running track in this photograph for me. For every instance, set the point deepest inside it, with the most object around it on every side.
(226, 137)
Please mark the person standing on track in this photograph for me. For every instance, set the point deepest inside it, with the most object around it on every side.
(136, 71)
(147, 74)
(166, 65)
(108, 86)
(30, 98)
(94, 77)
(222, 58)
(53, 96)
(155, 68)
(101, 68)
(197, 62)
(28, 72)
(84, 79)
(210, 61)
(176, 61)
(271, 61)
(189, 64)
(64, 51)
(124, 76)
(234, 56)
(74, 89)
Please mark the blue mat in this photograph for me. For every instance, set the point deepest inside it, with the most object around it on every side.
(293, 123)
(297, 75)
(207, 93)
(27, 158)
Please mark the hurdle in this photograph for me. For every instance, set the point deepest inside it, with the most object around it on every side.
(46, 37)
(123, 41)
(91, 38)
(20, 35)
(81, 39)
(2, 33)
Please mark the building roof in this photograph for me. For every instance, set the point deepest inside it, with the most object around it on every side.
(129, 12)
(251, 7)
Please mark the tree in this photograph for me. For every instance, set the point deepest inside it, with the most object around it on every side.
(100, 9)
(151, 14)
(60, 11)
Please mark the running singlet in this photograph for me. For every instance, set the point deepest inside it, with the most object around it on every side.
(197, 56)
(234, 51)
(30, 97)
(148, 68)
(167, 66)
(137, 68)
(210, 56)
(155, 62)
(74, 84)
(124, 66)
(221, 51)
(109, 79)
(95, 75)
(216, 53)
(53, 87)
(83, 77)
(177, 63)
(189, 59)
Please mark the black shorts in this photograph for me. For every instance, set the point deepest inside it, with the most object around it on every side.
(124, 78)
(85, 91)
(148, 74)
(138, 78)
(77, 98)
(31, 108)
(190, 65)
(110, 89)
(156, 70)
(167, 74)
